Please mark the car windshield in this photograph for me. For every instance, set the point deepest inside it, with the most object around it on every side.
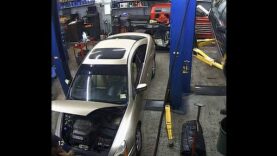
(100, 83)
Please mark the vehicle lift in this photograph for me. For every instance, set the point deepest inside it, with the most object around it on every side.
(182, 27)
(181, 38)
(181, 48)
(57, 50)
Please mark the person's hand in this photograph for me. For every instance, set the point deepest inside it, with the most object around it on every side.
(64, 153)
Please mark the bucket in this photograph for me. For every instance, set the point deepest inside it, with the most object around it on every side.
(221, 142)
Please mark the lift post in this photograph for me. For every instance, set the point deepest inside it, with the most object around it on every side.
(57, 50)
(182, 27)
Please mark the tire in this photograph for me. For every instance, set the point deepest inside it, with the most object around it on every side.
(164, 37)
(167, 38)
(153, 68)
(138, 140)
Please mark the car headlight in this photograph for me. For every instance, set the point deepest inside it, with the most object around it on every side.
(122, 150)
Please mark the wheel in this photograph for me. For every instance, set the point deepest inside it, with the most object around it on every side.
(138, 140)
(166, 38)
(161, 39)
(153, 69)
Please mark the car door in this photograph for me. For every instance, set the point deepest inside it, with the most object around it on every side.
(139, 66)
(136, 105)
(139, 75)
(146, 50)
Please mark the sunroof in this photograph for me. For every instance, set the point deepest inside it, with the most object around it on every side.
(136, 38)
(107, 53)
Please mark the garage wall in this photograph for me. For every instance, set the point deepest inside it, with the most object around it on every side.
(106, 26)
(100, 8)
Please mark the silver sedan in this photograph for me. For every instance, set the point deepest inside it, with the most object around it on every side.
(103, 110)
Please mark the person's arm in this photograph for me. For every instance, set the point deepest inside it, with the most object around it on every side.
(60, 149)
(64, 153)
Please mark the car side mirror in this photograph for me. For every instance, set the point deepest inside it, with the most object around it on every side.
(141, 87)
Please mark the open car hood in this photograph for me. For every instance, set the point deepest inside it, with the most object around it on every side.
(79, 107)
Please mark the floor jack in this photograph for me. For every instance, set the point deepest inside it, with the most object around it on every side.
(192, 140)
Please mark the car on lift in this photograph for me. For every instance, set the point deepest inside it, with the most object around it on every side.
(103, 112)
(218, 19)
(217, 16)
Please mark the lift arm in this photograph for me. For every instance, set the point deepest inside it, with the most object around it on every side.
(202, 56)
(205, 42)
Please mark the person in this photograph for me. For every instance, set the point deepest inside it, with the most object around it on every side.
(57, 150)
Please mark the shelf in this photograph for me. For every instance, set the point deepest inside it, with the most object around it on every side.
(78, 6)
(130, 8)
(128, 1)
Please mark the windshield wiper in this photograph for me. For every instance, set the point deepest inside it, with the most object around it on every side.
(117, 102)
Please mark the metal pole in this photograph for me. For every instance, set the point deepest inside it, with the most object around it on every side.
(198, 113)
(182, 23)
(199, 105)
(57, 50)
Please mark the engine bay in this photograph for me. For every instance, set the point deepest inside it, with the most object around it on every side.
(93, 133)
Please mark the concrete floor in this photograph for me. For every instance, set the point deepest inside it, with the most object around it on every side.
(156, 91)
(202, 74)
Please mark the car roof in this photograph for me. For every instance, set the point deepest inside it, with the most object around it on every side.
(116, 43)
